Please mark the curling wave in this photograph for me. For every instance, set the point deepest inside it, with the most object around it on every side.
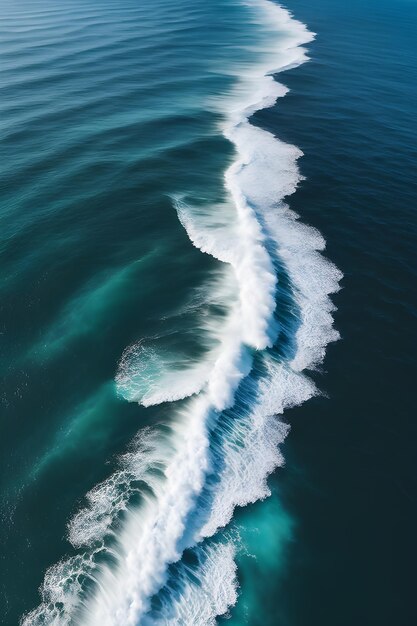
(224, 440)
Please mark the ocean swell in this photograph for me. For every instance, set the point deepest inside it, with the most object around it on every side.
(224, 440)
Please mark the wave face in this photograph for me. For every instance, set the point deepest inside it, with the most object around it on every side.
(152, 541)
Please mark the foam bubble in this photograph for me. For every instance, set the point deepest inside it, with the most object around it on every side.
(199, 595)
(105, 501)
(61, 592)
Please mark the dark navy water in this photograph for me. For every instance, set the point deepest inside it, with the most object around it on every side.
(104, 119)
(347, 554)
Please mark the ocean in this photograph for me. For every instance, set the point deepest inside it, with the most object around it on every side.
(208, 312)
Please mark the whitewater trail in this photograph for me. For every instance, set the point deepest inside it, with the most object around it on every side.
(195, 483)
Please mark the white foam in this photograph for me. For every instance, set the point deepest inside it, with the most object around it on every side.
(153, 536)
(246, 253)
(214, 235)
(61, 592)
(150, 373)
(149, 377)
(203, 594)
(250, 452)
(144, 462)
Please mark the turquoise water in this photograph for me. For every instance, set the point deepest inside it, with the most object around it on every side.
(160, 303)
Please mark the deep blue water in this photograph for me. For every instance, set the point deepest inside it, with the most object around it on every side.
(105, 117)
(349, 484)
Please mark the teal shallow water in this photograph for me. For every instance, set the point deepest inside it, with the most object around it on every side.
(104, 118)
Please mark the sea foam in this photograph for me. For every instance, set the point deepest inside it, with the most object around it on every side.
(200, 479)
(198, 595)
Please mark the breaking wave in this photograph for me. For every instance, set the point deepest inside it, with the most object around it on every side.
(178, 486)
